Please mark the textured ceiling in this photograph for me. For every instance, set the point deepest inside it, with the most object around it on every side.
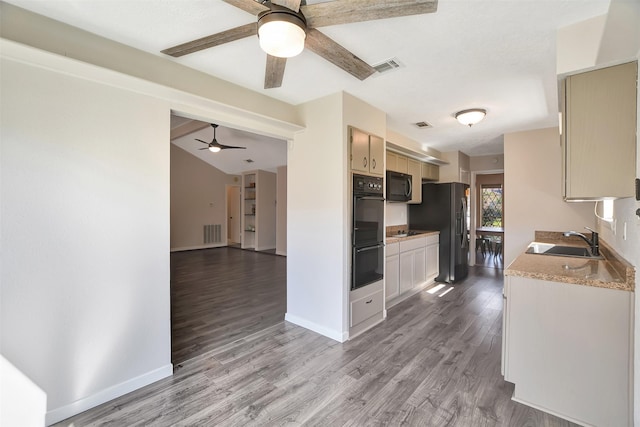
(492, 54)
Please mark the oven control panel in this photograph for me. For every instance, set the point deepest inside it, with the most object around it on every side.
(364, 185)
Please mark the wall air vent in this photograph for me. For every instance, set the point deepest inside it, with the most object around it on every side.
(388, 65)
(423, 125)
(212, 233)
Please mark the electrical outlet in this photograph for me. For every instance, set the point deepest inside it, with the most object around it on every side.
(624, 231)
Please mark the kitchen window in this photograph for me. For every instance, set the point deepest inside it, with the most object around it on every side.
(491, 206)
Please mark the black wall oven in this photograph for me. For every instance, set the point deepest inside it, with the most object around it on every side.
(368, 230)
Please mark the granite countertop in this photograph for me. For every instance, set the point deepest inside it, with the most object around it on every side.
(393, 231)
(613, 272)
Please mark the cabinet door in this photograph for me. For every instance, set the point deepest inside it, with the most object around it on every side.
(376, 155)
(406, 271)
(392, 277)
(599, 133)
(414, 168)
(392, 161)
(433, 261)
(359, 151)
(430, 172)
(419, 266)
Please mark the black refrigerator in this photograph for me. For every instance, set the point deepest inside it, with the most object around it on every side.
(444, 209)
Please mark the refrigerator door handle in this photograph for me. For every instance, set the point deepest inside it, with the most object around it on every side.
(463, 237)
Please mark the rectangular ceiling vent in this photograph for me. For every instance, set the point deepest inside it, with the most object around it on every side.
(388, 65)
(423, 125)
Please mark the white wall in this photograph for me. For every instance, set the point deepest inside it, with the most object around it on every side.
(198, 197)
(318, 194)
(85, 236)
(532, 183)
(396, 213)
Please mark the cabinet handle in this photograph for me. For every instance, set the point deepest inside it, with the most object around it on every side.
(373, 163)
(364, 162)
(369, 302)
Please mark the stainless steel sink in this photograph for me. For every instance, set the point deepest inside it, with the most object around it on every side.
(557, 250)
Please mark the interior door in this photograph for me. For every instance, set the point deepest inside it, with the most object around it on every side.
(233, 214)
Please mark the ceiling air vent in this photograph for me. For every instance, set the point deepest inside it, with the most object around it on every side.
(423, 125)
(388, 65)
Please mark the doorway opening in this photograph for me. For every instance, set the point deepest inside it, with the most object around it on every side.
(489, 219)
(221, 293)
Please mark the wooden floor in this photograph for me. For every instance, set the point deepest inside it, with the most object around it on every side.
(435, 361)
(221, 295)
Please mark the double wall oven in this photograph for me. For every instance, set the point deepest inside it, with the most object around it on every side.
(368, 230)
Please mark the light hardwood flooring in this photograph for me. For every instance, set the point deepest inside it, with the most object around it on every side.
(221, 295)
(435, 361)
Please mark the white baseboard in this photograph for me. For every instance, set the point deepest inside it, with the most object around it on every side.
(334, 335)
(281, 253)
(110, 393)
(191, 248)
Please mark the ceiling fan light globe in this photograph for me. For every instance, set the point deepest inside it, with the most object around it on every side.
(214, 149)
(282, 32)
(470, 117)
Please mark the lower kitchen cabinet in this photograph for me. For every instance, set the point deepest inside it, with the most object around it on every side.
(366, 308)
(392, 271)
(410, 266)
(568, 349)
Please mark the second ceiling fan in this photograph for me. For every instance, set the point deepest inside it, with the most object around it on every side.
(285, 27)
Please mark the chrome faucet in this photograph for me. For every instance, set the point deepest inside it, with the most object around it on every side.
(594, 243)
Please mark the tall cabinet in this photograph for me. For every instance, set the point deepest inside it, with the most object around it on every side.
(259, 210)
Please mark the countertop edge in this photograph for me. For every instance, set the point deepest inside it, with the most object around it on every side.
(391, 239)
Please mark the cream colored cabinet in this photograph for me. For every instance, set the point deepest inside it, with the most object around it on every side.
(367, 152)
(396, 162)
(414, 168)
(568, 349)
(411, 265)
(366, 308)
(598, 135)
(432, 257)
(392, 271)
(430, 172)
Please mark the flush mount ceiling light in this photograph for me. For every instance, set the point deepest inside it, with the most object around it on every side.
(471, 117)
(282, 32)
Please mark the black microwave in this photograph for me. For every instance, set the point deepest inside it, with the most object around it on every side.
(398, 187)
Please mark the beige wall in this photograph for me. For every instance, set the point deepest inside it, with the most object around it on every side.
(532, 182)
(198, 197)
(487, 163)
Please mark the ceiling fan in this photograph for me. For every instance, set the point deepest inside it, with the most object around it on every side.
(214, 146)
(286, 27)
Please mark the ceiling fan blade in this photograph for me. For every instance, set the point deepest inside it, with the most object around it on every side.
(205, 148)
(251, 6)
(336, 54)
(289, 4)
(347, 11)
(202, 141)
(274, 72)
(225, 147)
(213, 40)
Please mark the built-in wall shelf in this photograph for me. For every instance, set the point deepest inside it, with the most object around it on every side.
(259, 210)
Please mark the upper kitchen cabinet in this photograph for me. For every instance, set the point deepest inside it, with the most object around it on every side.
(367, 152)
(396, 162)
(598, 134)
(430, 172)
(414, 168)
